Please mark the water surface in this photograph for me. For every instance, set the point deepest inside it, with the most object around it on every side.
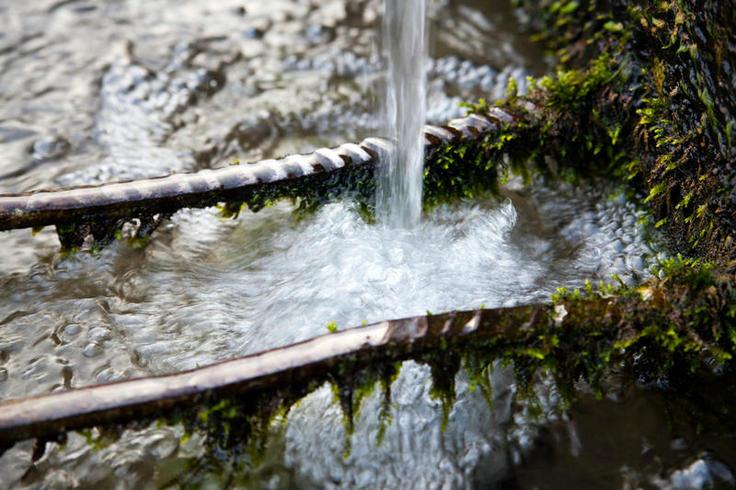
(99, 91)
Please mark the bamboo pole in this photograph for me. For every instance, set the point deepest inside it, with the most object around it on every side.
(296, 365)
(102, 210)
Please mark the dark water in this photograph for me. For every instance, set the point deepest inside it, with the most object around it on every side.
(94, 91)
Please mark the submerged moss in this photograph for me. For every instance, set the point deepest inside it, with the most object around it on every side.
(352, 386)
(444, 364)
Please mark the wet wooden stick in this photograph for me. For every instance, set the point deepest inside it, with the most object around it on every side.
(313, 360)
(107, 206)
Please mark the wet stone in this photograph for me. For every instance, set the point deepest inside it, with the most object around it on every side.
(36, 370)
(679, 444)
(257, 29)
(706, 472)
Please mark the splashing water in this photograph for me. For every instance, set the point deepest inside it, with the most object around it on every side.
(405, 45)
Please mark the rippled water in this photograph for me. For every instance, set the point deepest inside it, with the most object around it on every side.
(209, 289)
(97, 91)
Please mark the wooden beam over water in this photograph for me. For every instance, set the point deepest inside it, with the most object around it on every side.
(314, 360)
(102, 210)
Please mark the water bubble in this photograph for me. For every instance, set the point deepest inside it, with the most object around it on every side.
(50, 147)
(98, 334)
(92, 349)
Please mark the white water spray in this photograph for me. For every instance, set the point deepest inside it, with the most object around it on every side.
(399, 199)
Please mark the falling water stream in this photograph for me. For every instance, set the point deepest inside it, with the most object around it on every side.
(404, 108)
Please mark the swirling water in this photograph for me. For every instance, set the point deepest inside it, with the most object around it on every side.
(98, 91)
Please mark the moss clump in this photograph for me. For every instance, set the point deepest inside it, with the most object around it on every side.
(352, 386)
(478, 369)
(670, 111)
(681, 321)
(444, 364)
(389, 373)
(332, 327)
(572, 125)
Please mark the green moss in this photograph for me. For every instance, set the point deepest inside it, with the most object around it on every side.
(444, 365)
(352, 385)
(478, 369)
(100, 438)
(572, 90)
(230, 210)
(563, 130)
(673, 80)
(389, 373)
